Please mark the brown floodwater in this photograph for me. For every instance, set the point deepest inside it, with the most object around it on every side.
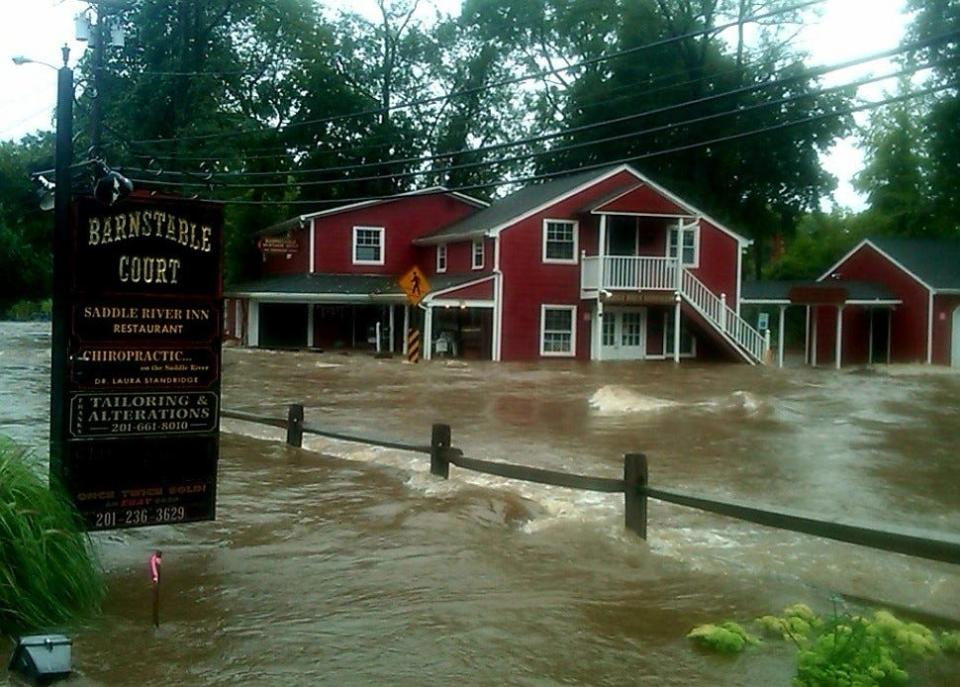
(345, 564)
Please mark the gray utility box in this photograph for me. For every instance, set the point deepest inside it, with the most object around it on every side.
(42, 659)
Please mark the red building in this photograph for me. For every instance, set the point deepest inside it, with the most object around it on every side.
(887, 300)
(594, 266)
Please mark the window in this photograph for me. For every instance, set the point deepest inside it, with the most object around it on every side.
(368, 245)
(558, 336)
(688, 344)
(478, 254)
(442, 257)
(559, 241)
(690, 235)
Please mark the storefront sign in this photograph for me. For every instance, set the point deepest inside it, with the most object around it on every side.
(142, 389)
(278, 244)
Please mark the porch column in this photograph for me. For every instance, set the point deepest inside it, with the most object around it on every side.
(253, 323)
(427, 346)
(679, 257)
(783, 312)
(393, 331)
(839, 353)
(676, 328)
(813, 338)
(310, 325)
(602, 254)
(597, 352)
(406, 327)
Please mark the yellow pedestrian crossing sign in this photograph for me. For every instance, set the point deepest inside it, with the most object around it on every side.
(414, 283)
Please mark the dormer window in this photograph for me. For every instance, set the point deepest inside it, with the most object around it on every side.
(442, 257)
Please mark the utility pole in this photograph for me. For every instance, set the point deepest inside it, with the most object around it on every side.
(61, 248)
(96, 113)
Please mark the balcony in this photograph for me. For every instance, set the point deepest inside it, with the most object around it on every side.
(633, 273)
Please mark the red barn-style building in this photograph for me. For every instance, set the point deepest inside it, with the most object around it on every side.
(598, 265)
(887, 300)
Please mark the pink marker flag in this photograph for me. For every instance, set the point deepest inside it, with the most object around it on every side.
(155, 567)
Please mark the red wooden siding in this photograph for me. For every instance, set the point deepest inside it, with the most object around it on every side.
(403, 220)
(529, 282)
(909, 321)
(718, 262)
(476, 292)
(944, 306)
(297, 263)
(643, 200)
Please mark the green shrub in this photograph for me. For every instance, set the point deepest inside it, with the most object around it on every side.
(26, 311)
(844, 650)
(725, 638)
(48, 575)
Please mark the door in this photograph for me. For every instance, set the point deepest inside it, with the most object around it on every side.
(955, 339)
(623, 334)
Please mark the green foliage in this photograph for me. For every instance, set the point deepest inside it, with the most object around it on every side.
(27, 311)
(843, 650)
(48, 576)
(726, 638)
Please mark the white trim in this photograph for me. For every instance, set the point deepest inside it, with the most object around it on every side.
(573, 331)
(456, 287)
(684, 228)
(657, 215)
(930, 330)
(576, 242)
(860, 301)
(426, 347)
(441, 270)
(740, 250)
(460, 302)
(473, 254)
(383, 245)
(896, 263)
(498, 302)
(331, 298)
(313, 244)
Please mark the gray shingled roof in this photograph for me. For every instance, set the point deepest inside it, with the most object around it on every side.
(343, 284)
(512, 206)
(773, 290)
(935, 261)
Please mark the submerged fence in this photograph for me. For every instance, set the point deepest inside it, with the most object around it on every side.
(636, 490)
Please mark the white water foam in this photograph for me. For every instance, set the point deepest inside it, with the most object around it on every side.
(618, 400)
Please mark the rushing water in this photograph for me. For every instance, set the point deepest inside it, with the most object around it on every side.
(344, 564)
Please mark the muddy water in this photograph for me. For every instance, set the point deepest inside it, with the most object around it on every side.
(346, 564)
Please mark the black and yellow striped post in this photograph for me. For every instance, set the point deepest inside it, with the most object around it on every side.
(413, 346)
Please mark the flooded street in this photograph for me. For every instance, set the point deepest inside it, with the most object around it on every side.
(344, 564)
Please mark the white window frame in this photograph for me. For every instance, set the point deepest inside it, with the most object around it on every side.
(573, 331)
(441, 257)
(478, 243)
(383, 245)
(575, 226)
(695, 231)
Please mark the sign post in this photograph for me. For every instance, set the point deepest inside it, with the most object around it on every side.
(140, 432)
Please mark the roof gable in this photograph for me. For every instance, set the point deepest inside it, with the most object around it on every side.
(934, 263)
(641, 199)
(538, 197)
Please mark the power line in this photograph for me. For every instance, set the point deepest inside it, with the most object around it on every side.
(575, 146)
(212, 177)
(506, 82)
(540, 177)
(812, 72)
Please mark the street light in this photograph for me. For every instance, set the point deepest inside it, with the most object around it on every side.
(61, 247)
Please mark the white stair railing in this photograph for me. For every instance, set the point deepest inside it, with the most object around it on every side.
(727, 321)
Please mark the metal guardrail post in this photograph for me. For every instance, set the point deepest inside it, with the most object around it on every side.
(439, 442)
(634, 496)
(295, 425)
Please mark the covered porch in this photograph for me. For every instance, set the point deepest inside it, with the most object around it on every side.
(844, 321)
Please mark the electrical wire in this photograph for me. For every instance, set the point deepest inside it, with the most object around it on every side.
(506, 82)
(609, 163)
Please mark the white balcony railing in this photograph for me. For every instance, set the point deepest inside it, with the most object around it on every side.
(628, 272)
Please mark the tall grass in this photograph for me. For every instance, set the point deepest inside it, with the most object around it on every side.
(48, 574)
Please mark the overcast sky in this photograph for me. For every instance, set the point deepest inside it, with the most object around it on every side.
(37, 29)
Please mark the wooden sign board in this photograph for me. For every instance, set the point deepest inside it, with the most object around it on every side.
(278, 244)
(818, 295)
(639, 298)
(141, 394)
